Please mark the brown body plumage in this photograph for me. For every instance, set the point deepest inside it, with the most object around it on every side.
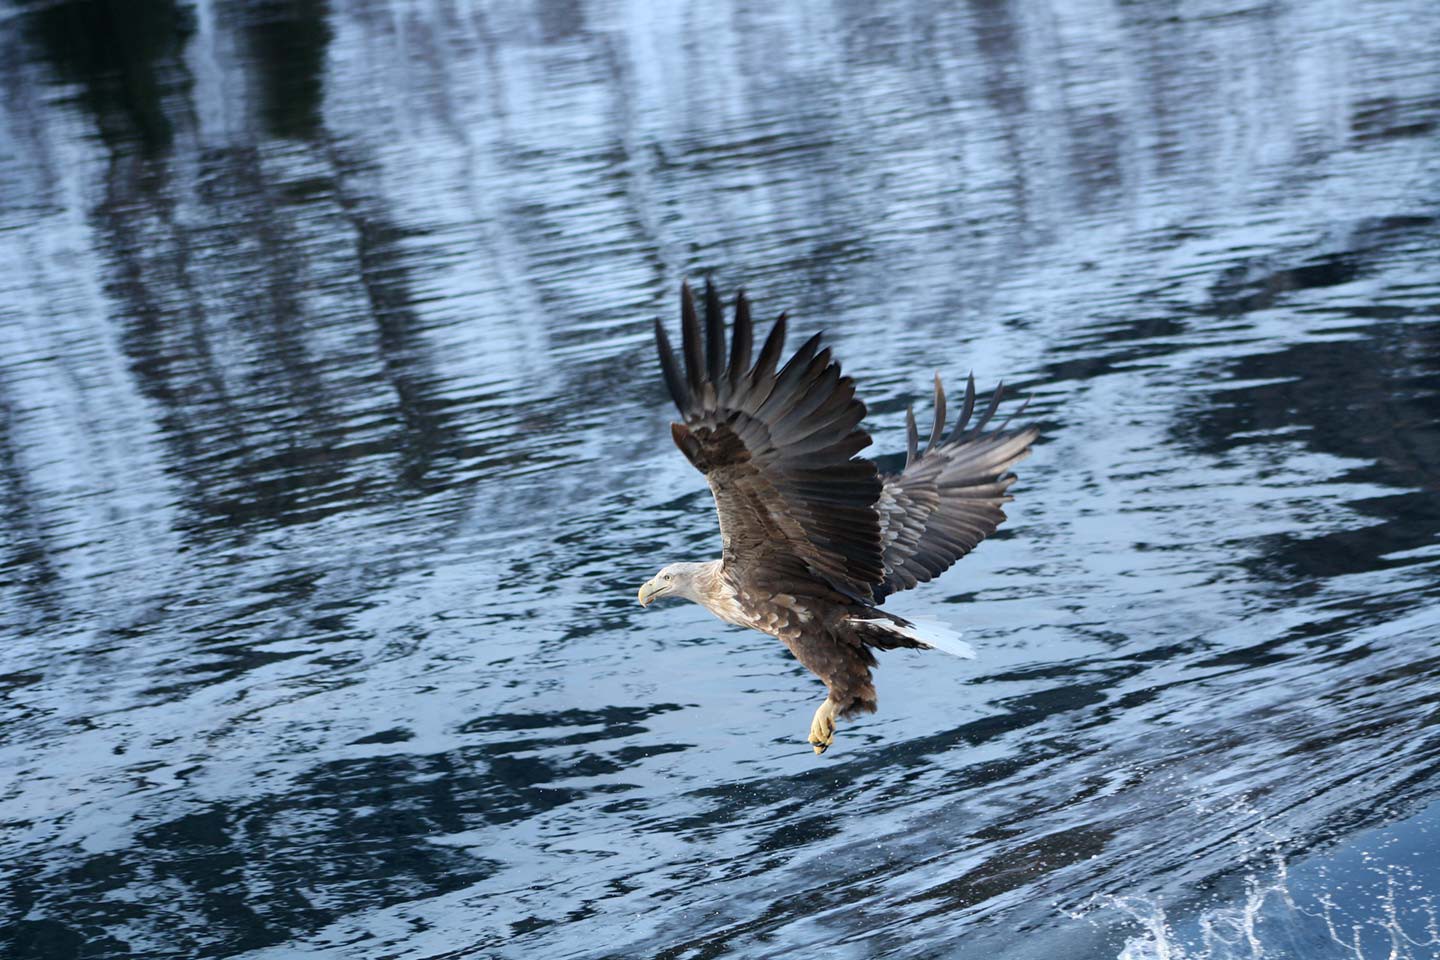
(814, 537)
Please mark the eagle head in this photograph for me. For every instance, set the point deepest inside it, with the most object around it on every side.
(677, 580)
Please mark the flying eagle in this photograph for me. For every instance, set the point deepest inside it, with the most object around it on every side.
(815, 538)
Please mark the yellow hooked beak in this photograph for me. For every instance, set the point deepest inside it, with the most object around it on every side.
(648, 589)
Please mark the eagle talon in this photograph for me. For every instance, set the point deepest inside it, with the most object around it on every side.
(822, 728)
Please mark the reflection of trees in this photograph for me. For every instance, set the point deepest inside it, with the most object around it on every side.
(287, 40)
(266, 307)
(125, 57)
(1368, 398)
(24, 547)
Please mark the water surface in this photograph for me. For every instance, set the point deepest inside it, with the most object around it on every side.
(332, 451)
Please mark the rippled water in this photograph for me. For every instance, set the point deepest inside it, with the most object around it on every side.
(332, 451)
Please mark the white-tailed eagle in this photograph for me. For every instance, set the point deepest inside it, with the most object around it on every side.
(815, 537)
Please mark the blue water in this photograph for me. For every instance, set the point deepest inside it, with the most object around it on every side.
(333, 450)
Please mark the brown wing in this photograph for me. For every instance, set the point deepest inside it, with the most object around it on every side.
(948, 498)
(797, 507)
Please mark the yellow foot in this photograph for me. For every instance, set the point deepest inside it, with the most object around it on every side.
(822, 728)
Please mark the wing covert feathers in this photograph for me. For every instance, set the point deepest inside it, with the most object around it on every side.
(796, 506)
(950, 497)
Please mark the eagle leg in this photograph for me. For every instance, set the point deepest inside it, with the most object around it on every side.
(822, 728)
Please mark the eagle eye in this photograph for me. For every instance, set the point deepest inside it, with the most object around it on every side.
(667, 576)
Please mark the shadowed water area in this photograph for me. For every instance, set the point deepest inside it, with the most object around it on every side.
(333, 449)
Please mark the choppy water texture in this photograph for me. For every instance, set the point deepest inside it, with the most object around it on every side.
(332, 451)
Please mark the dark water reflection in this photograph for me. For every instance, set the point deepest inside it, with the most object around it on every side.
(332, 450)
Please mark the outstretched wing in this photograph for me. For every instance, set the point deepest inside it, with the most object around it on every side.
(797, 507)
(949, 497)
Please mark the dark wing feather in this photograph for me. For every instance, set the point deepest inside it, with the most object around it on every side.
(948, 498)
(797, 507)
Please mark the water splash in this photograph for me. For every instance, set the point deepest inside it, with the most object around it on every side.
(1280, 918)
